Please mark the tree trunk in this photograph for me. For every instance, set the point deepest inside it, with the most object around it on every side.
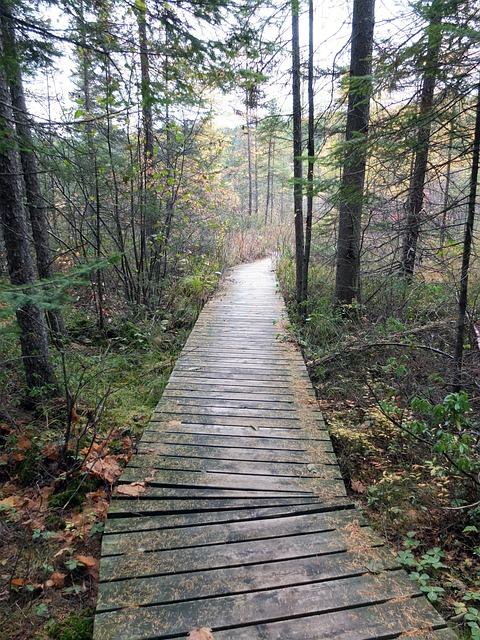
(311, 156)
(414, 204)
(448, 180)
(93, 201)
(353, 178)
(467, 250)
(35, 202)
(269, 170)
(297, 152)
(33, 337)
(148, 197)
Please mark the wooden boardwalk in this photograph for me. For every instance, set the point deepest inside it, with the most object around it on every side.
(242, 523)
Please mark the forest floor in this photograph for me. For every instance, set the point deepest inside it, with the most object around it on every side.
(52, 504)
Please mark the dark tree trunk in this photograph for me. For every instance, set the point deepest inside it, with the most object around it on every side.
(311, 156)
(269, 171)
(467, 250)
(414, 204)
(35, 202)
(148, 199)
(297, 152)
(353, 178)
(33, 337)
(448, 180)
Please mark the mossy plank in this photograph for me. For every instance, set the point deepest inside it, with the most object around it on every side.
(384, 620)
(306, 444)
(315, 455)
(123, 507)
(173, 519)
(137, 563)
(226, 401)
(162, 427)
(226, 533)
(236, 610)
(203, 479)
(215, 582)
(255, 467)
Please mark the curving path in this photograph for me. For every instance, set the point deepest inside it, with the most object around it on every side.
(241, 523)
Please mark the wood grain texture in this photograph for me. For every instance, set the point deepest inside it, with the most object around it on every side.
(242, 522)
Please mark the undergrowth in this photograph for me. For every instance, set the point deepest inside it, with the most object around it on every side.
(408, 447)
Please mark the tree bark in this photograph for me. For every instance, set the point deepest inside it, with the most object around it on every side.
(33, 337)
(311, 156)
(297, 152)
(414, 204)
(467, 250)
(353, 178)
(35, 202)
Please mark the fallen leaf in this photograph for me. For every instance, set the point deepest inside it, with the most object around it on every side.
(57, 579)
(17, 582)
(201, 633)
(358, 486)
(151, 477)
(106, 468)
(11, 502)
(174, 423)
(88, 561)
(51, 452)
(134, 489)
(23, 442)
(91, 565)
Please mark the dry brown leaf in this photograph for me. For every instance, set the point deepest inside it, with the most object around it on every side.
(133, 489)
(174, 423)
(51, 452)
(91, 565)
(17, 582)
(151, 477)
(106, 468)
(57, 579)
(23, 442)
(201, 633)
(11, 502)
(358, 486)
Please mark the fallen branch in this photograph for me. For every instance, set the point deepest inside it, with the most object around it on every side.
(348, 349)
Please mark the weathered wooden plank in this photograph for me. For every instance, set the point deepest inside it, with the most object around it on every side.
(233, 610)
(255, 442)
(175, 519)
(233, 421)
(243, 395)
(215, 582)
(354, 539)
(128, 508)
(226, 533)
(250, 467)
(177, 408)
(385, 620)
(221, 383)
(313, 456)
(210, 480)
(184, 427)
(226, 401)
